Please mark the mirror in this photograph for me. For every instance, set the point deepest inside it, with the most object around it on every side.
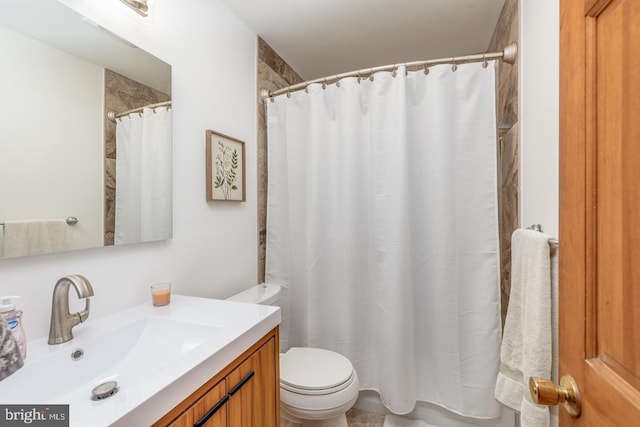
(63, 183)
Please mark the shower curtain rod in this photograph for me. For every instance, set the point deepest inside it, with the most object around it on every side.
(508, 55)
(112, 115)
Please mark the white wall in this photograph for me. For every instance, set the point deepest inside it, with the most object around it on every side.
(538, 104)
(54, 172)
(213, 251)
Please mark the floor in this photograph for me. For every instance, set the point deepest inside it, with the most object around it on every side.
(358, 418)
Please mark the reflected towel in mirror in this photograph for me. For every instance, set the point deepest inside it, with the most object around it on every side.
(32, 237)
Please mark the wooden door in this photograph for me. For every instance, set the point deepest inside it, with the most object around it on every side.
(600, 208)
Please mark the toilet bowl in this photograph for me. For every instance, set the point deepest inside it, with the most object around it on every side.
(317, 386)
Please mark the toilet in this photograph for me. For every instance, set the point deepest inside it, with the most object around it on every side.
(317, 386)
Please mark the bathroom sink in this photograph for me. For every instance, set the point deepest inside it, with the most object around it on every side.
(157, 356)
(130, 353)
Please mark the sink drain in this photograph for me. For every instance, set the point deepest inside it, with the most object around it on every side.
(104, 390)
(77, 354)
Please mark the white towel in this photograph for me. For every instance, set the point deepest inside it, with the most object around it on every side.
(32, 237)
(527, 343)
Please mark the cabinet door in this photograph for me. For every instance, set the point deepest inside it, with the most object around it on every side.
(209, 411)
(254, 389)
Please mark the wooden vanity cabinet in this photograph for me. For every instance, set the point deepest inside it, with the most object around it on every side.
(244, 394)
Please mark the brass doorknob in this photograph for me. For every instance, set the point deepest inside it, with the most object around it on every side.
(544, 392)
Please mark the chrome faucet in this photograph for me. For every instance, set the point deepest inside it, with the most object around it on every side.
(61, 320)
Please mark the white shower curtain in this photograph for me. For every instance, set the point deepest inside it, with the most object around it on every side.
(143, 176)
(382, 228)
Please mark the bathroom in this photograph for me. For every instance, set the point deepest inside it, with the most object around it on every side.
(214, 251)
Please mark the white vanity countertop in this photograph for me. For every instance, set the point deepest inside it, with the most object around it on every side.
(145, 350)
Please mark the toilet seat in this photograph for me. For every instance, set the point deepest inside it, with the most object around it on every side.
(314, 371)
(316, 384)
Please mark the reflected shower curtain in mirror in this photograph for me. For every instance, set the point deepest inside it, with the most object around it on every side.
(382, 229)
(143, 186)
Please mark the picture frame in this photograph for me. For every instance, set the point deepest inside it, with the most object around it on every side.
(225, 168)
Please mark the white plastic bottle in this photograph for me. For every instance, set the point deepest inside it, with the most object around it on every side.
(14, 320)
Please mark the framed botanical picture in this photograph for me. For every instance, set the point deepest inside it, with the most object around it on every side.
(225, 168)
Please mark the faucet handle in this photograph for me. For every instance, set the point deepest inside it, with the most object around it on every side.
(84, 314)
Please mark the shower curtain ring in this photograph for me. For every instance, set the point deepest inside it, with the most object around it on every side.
(289, 94)
(324, 84)
(454, 67)
(395, 71)
(484, 61)
(426, 68)
(371, 74)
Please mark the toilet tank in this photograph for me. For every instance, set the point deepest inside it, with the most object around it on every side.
(264, 293)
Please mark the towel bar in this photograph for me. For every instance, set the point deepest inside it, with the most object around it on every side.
(71, 220)
(538, 227)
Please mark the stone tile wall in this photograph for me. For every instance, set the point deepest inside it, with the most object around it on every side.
(506, 31)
